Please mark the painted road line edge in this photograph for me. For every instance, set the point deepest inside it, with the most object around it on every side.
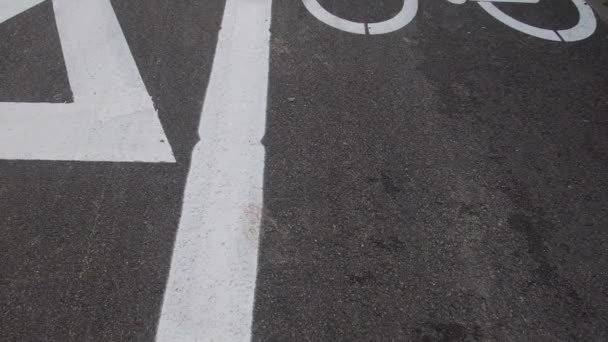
(112, 118)
(210, 291)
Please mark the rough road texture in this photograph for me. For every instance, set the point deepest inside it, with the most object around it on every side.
(446, 182)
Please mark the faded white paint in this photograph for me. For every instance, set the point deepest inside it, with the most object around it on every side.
(583, 29)
(112, 117)
(404, 17)
(209, 295)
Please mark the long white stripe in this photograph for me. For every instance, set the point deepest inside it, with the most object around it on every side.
(209, 295)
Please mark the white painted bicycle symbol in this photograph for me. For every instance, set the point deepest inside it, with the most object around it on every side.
(583, 29)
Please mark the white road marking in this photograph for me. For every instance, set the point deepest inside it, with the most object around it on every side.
(404, 17)
(210, 292)
(10, 8)
(112, 117)
(583, 29)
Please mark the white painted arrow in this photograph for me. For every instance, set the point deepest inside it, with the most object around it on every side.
(112, 117)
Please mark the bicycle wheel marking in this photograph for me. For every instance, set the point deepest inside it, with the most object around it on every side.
(583, 29)
(404, 17)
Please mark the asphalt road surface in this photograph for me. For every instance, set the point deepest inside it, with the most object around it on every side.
(445, 181)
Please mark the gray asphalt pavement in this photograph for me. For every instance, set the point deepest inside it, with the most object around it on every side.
(444, 182)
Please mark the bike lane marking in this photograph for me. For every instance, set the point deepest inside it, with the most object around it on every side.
(210, 291)
(583, 29)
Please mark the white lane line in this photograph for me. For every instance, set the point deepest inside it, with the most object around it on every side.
(210, 292)
(112, 117)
